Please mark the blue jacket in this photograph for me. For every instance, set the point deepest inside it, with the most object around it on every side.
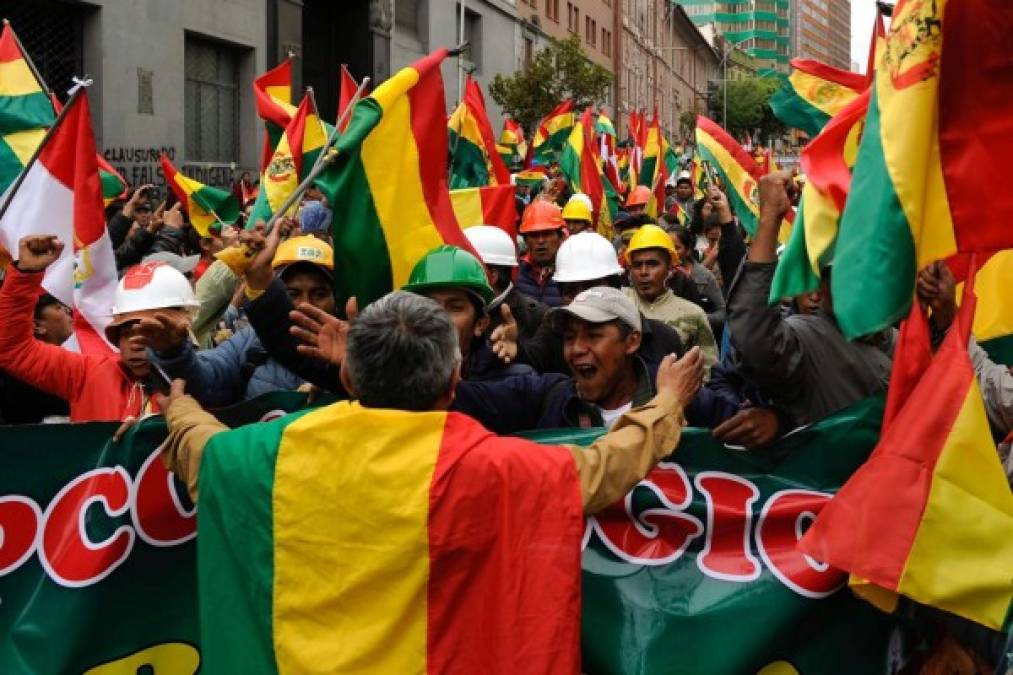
(550, 401)
(532, 284)
(236, 370)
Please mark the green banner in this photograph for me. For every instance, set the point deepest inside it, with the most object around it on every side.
(695, 572)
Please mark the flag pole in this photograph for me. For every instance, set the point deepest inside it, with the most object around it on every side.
(327, 155)
(28, 59)
(42, 144)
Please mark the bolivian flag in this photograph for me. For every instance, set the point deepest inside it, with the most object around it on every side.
(491, 205)
(922, 191)
(350, 540)
(930, 515)
(734, 167)
(474, 160)
(272, 93)
(511, 140)
(293, 157)
(551, 135)
(25, 110)
(388, 184)
(206, 206)
(814, 93)
(532, 178)
(993, 320)
(827, 162)
(584, 174)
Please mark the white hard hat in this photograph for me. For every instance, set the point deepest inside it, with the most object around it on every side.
(153, 285)
(585, 257)
(493, 245)
(580, 196)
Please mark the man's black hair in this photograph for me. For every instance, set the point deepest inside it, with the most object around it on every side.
(45, 300)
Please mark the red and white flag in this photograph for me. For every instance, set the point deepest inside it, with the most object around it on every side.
(61, 195)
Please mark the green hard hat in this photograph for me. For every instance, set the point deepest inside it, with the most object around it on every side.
(450, 267)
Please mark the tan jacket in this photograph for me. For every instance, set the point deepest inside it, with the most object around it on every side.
(607, 469)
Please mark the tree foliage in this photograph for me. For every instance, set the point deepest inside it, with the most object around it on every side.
(748, 107)
(557, 72)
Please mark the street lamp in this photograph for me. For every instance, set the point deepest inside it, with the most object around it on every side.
(726, 52)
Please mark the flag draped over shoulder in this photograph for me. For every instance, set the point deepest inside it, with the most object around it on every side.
(734, 167)
(205, 205)
(935, 125)
(455, 549)
(814, 93)
(827, 162)
(61, 195)
(551, 135)
(474, 160)
(25, 110)
(491, 205)
(391, 208)
(948, 540)
(293, 157)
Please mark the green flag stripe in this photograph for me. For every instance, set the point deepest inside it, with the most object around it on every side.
(795, 111)
(223, 203)
(31, 111)
(10, 166)
(1000, 349)
(468, 168)
(874, 262)
(548, 151)
(236, 527)
(794, 274)
(111, 185)
(647, 168)
(741, 209)
(569, 164)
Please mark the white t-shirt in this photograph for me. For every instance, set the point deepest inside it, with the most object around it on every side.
(610, 416)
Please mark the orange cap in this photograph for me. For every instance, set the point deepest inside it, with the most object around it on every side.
(541, 215)
(640, 196)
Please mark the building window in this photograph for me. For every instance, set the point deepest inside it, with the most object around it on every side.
(552, 9)
(472, 35)
(406, 17)
(572, 18)
(606, 42)
(529, 49)
(211, 117)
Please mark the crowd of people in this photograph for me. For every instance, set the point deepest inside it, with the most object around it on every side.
(668, 324)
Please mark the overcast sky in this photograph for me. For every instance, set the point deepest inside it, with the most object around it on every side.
(862, 14)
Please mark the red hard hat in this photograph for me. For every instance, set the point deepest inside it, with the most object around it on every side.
(541, 215)
(640, 196)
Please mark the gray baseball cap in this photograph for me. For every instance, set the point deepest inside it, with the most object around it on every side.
(183, 265)
(600, 304)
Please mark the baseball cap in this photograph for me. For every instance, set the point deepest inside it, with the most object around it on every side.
(182, 264)
(600, 304)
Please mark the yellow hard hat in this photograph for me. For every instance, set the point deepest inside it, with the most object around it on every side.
(304, 249)
(577, 209)
(651, 236)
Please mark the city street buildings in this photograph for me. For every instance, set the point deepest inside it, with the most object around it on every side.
(761, 28)
(821, 30)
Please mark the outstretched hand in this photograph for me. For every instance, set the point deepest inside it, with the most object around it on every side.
(324, 337)
(259, 273)
(164, 331)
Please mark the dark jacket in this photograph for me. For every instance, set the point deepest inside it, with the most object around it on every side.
(544, 351)
(731, 251)
(119, 226)
(683, 286)
(134, 248)
(550, 401)
(537, 284)
(528, 313)
(802, 363)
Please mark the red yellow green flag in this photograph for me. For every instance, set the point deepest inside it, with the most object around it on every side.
(25, 109)
(205, 205)
(582, 170)
(734, 167)
(346, 93)
(827, 161)
(551, 135)
(407, 543)
(813, 94)
(916, 195)
(292, 159)
(474, 160)
(391, 208)
(272, 93)
(512, 146)
(948, 539)
(491, 205)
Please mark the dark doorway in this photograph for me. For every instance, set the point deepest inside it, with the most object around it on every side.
(334, 33)
(53, 35)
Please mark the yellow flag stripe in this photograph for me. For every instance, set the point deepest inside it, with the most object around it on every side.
(16, 79)
(24, 143)
(962, 556)
(993, 317)
(467, 204)
(828, 97)
(351, 564)
(394, 183)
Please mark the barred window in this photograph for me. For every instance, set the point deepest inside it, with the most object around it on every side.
(53, 35)
(212, 101)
